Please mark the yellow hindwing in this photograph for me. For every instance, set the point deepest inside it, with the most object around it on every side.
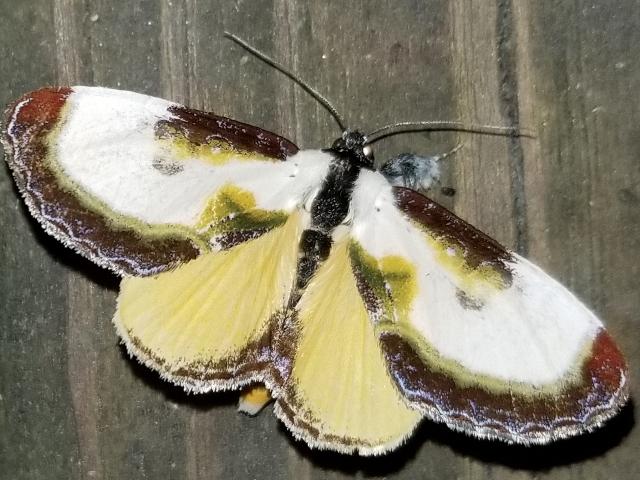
(210, 309)
(340, 382)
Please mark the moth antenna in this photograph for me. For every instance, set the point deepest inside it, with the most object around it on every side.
(445, 125)
(309, 89)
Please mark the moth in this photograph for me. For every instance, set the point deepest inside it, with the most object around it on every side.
(360, 304)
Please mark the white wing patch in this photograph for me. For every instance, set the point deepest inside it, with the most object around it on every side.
(533, 331)
(108, 145)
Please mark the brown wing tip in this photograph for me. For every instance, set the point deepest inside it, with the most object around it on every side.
(39, 107)
(606, 363)
(608, 371)
(29, 116)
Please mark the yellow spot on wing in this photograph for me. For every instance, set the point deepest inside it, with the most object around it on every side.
(392, 279)
(229, 199)
(232, 208)
(211, 308)
(342, 386)
(475, 281)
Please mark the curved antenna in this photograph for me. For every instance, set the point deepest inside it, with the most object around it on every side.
(444, 125)
(310, 90)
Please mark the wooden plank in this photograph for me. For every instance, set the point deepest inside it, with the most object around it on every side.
(73, 406)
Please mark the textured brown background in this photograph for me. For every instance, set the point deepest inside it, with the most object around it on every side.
(72, 405)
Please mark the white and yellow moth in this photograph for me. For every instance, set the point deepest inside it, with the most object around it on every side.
(361, 306)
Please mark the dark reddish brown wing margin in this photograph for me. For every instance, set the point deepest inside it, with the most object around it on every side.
(513, 417)
(478, 248)
(203, 127)
(26, 124)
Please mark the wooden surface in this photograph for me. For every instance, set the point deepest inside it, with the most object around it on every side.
(72, 405)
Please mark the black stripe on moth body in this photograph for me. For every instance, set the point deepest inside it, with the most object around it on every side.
(314, 249)
(328, 210)
(331, 205)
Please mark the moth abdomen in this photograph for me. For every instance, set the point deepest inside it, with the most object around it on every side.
(314, 249)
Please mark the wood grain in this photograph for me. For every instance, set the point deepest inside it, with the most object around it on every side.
(73, 406)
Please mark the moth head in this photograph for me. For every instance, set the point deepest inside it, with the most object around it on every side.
(352, 145)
